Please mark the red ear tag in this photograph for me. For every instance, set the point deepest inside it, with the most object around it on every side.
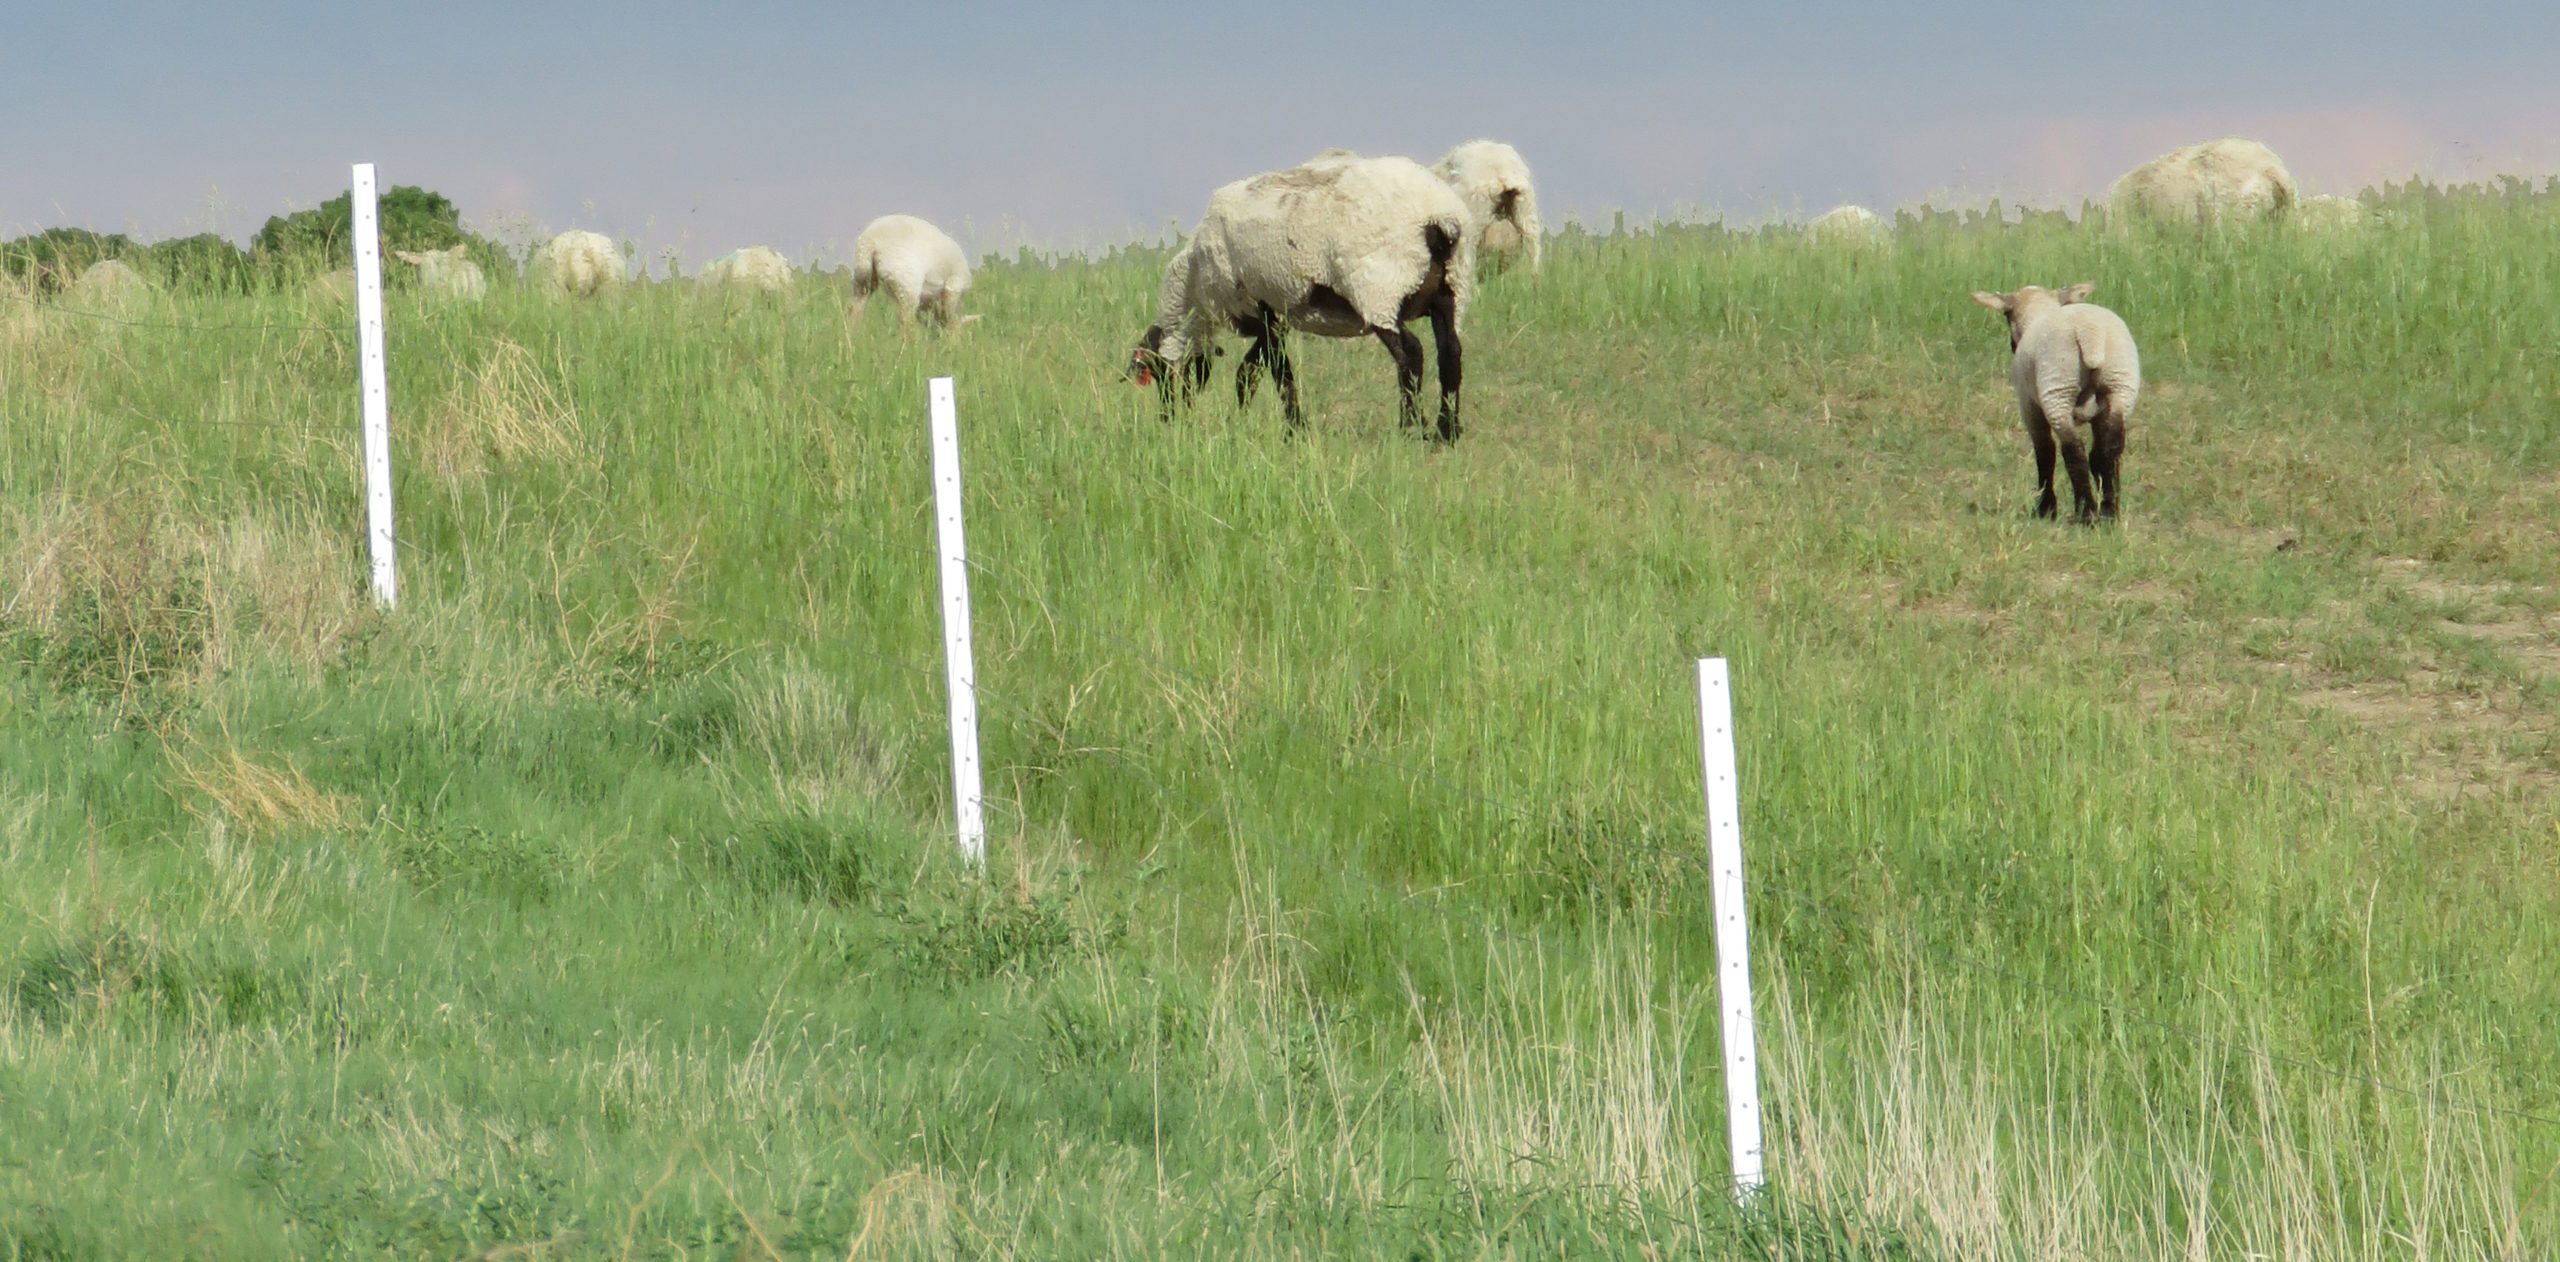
(1146, 377)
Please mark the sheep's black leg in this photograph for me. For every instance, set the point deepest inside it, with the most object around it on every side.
(1444, 332)
(1257, 328)
(2040, 436)
(2108, 461)
(1406, 350)
(2075, 459)
(1283, 377)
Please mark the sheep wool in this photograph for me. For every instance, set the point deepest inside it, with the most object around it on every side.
(1502, 202)
(1341, 247)
(921, 267)
(109, 283)
(447, 273)
(759, 268)
(2221, 179)
(1849, 225)
(2075, 368)
(576, 263)
(2328, 213)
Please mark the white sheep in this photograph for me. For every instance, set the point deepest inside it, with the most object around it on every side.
(108, 283)
(756, 267)
(1340, 247)
(1501, 201)
(2074, 365)
(447, 273)
(2221, 179)
(2329, 213)
(921, 266)
(580, 264)
(1849, 225)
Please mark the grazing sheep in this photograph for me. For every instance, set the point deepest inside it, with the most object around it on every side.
(108, 283)
(1849, 225)
(2222, 179)
(2329, 213)
(579, 264)
(921, 267)
(2073, 364)
(1341, 247)
(447, 273)
(756, 267)
(1501, 202)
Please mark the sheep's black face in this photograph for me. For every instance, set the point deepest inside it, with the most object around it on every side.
(1146, 362)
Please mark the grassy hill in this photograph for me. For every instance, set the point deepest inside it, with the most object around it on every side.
(2187, 885)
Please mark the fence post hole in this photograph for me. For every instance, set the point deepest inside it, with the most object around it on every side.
(1733, 930)
(965, 792)
(377, 420)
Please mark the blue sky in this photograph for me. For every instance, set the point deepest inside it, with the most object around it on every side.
(791, 125)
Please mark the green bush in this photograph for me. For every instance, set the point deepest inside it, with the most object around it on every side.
(411, 218)
(55, 257)
(203, 263)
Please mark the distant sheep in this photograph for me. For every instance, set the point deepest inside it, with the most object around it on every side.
(2222, 179)
(2074, 365)
(2330, 213)
(108, 283)
(448, 273)
(1340, 247)
(1849, 225)
(1502, 203)
(756, 267)
(922, 268)
(579, 264)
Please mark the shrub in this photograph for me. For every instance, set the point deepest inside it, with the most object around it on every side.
(411, 218)
(55, 257)
(203, 263)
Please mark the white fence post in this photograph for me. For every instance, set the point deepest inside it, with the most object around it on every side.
(1733, 930)
(377, 420)
(966, 795)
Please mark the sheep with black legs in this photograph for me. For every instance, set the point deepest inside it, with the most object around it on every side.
(2074, 366)
(919, 265)
(1502, 203)
(1340, 247)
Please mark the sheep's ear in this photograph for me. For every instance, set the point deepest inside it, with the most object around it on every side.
(1997, 302)
(2078, 293)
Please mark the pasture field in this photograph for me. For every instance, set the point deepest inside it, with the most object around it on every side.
(2184, 888)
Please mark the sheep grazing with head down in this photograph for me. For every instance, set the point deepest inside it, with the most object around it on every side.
(1502, 203)
(447, 273)
(2075, 367)
(2218, 180)
(109, 283)
(919, 265)
(1341, 247)
(579, 264)
(2329, 213)
(1849, 225)
(757, 268)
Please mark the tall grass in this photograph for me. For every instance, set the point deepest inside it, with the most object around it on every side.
(2186, 887)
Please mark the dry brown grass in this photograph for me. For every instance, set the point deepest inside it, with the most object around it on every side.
(508, 409)
(255, 797)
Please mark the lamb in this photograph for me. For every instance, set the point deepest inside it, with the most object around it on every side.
(756, 267)
(580, 264)
(1340, 247)
(2221, 179)
(921, 267)
(447, 273)
(1849, 225)
(2073, 364)
(1502, 204)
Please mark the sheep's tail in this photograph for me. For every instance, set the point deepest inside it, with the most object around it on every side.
(866, 268)
(2093, 351)
(1524, 214)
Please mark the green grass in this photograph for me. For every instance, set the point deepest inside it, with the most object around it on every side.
(1345, 897)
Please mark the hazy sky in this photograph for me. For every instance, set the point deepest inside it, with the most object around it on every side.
(710, 127)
